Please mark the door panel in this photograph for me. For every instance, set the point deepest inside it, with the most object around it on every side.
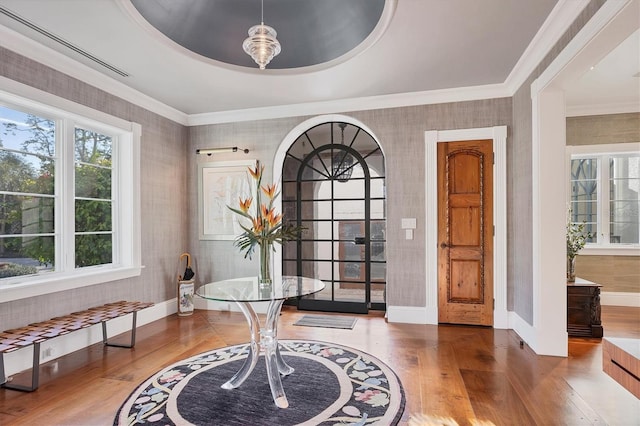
(465, 232)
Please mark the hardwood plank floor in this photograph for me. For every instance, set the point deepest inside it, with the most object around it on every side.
(452, 375)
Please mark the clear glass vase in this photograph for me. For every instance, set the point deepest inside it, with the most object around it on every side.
(571, 269)
(265, 273)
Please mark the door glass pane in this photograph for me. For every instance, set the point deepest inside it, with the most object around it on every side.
(377, 188)
(350, 230)
(319, 269)
(351, 251)
(378, 252)
(378, 230)
(316, 230)
(320, 250)
(315, 210)
(351, 271)
(378, 293)
(378, 271)
(353, 188)
(349, 292)
(377, 209)
(348, 209)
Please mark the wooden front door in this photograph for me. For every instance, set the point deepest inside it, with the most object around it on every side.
(465, 232)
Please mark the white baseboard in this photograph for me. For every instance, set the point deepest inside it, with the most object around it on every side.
(542, 343)
(411, 315)
(522, 328)
(610, 298)
(21, 360)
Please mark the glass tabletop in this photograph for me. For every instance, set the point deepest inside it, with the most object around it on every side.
(247, 289)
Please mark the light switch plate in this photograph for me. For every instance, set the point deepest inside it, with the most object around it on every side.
(408, 223)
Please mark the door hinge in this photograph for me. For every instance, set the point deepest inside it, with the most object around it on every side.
(494, 230)
(494, 157)
(494, 304)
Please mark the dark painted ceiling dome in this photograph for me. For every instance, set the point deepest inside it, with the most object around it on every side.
(311, 32)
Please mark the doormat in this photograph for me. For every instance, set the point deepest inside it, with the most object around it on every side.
(326, 321)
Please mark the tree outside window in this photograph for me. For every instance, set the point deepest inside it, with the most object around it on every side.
(31, 148)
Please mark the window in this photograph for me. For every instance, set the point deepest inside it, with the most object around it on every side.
(604, 196)
(69, 186)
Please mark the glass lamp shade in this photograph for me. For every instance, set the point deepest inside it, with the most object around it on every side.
(262, 44)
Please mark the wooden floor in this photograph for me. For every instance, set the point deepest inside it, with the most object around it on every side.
(452, 375)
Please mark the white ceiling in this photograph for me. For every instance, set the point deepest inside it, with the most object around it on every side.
(419, 48)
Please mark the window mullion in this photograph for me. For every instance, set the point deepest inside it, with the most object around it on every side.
(116, 194)
(604, 197)
(68, 196)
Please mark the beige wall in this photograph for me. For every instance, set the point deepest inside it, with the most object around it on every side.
(614, 273)
(163, 199)
(603, 129)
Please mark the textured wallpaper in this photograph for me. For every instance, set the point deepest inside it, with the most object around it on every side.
(163, 191)
(400, 132)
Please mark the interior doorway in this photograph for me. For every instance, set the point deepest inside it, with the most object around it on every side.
(333, 185)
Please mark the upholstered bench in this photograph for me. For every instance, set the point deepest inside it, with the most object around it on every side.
(34, 334)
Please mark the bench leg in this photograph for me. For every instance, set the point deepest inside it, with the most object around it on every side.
(117, 345)
(35, 373)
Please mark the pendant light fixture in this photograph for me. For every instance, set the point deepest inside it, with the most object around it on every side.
(262, 44)
(342, 160)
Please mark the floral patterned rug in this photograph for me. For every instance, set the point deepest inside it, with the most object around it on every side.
(331, 385)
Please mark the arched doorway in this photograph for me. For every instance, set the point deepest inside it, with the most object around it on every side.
(333, 184)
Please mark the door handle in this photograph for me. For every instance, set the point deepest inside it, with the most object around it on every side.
(444, 245)
(358, 240)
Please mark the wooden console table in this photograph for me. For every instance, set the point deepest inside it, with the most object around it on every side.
(583, 309)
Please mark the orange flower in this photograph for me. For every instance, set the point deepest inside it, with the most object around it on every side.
(245, 204)
(257, 225)
(273, 218)
(257, 172)
(269, 190)
(264, 211)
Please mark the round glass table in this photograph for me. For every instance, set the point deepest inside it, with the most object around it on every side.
(243, 291)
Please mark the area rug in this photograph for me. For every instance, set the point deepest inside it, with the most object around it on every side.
(326, 321)
(331, 385)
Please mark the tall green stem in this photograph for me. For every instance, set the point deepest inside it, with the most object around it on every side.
(265, 263)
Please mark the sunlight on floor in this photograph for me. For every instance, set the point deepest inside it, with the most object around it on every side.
(428, 420)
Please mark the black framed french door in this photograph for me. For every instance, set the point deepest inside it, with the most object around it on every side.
(333, 186)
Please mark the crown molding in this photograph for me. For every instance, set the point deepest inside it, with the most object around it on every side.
(602, 109)
(556, 24)
(16, 42)
(460, 94)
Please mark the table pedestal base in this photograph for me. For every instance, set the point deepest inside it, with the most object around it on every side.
(265, 338)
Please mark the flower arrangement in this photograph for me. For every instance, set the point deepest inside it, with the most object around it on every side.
(576, 240)
(265, 227)
(576, 237)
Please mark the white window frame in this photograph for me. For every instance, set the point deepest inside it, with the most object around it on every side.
(126, 196)
(598, 152)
